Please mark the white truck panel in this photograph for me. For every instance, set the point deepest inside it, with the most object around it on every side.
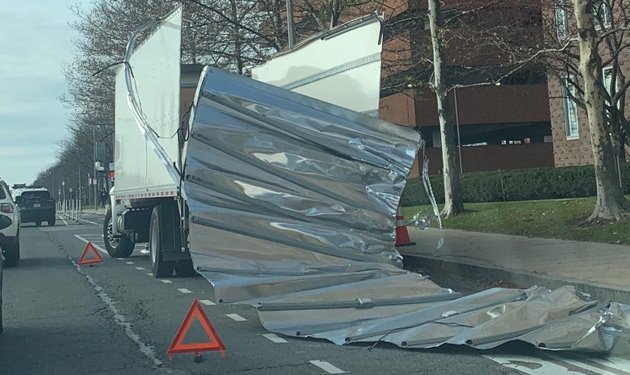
(156, 68)
(342, 68)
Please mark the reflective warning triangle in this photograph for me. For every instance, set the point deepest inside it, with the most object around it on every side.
(87, 259)
(213, 343)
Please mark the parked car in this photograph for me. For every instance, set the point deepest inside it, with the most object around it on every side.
(10, 231)
(36, 205)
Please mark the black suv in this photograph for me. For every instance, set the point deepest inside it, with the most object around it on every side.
(36, 205)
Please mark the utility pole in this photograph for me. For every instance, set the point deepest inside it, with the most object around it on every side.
(94, 180)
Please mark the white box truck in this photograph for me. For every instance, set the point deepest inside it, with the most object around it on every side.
(151, 124)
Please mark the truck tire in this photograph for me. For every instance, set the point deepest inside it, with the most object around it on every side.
(159, 239)
(117, 247)
(11, 253)
(184, 268)
(51, 221)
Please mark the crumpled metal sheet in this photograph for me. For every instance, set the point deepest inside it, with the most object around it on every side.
(288, 193)
(292, 204)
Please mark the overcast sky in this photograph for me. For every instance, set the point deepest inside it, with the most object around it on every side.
(35, 43)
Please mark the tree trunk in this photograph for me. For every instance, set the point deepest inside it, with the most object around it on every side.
(453, 203)
(610, 200)
(237, 37)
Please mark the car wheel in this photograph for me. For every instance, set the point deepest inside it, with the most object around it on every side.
(38, 223)
(51, 222)
(12, 253)
(157, 243)
(119, 246)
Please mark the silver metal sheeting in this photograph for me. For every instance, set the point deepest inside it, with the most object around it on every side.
(292, 204)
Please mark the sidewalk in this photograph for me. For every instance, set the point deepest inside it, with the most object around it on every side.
(602, 270)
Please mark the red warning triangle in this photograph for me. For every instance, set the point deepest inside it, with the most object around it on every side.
(213, 343)
(90, 255)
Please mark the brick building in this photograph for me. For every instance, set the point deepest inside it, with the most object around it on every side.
(571, 135)
(503, 126)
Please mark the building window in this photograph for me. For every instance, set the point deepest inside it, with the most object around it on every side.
(572, 125)
(607, 77)
(603, 18)
(562, 22)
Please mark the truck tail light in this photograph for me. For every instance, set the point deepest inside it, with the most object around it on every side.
(7, 208)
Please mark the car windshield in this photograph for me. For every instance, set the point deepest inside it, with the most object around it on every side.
(35, 195)
(3, 195)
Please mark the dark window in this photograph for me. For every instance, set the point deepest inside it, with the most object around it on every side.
(36, 195)
(3, 195)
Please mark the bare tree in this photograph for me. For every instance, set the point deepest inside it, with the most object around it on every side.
(610, 200)
(453, 203)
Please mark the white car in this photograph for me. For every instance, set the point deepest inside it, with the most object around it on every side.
(10, 234)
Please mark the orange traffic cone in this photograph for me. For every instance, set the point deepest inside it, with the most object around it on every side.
(402, 235)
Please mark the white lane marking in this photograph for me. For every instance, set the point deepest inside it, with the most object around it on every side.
(64, 220)
(91, 222)
(121, 320)
(140, 268)
(166, 281)
(149, 274)
(539, 366)
(614, 362)
(120, 258)
(128, 262)
(236, 317)
(95, 246)
(327, 367)
(273, 338)
(184, 290)
(207, 302)
(591, 364)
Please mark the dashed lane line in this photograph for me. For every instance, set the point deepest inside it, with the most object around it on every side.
(207, 302)
(129, 263)
(327, 367)
(275, 339)
(166, 281)
(236, 317)
(95, 246)
(184, 290)
(140, 268)
(149, 274)
(91, 222)
(120, 319)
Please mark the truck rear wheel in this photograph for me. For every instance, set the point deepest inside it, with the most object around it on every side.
(159, 241)
(119, 246)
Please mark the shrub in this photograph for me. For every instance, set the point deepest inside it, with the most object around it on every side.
(526, 184)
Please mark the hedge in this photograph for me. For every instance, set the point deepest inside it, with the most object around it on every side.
(519, 185)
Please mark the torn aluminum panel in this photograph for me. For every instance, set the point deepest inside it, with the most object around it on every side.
(292, 202)
(292, 192)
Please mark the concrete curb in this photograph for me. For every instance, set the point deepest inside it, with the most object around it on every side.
(520, 278)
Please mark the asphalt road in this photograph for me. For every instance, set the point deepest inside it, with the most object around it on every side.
(114, 318)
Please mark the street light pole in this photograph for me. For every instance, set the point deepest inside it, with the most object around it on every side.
(94, 180)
